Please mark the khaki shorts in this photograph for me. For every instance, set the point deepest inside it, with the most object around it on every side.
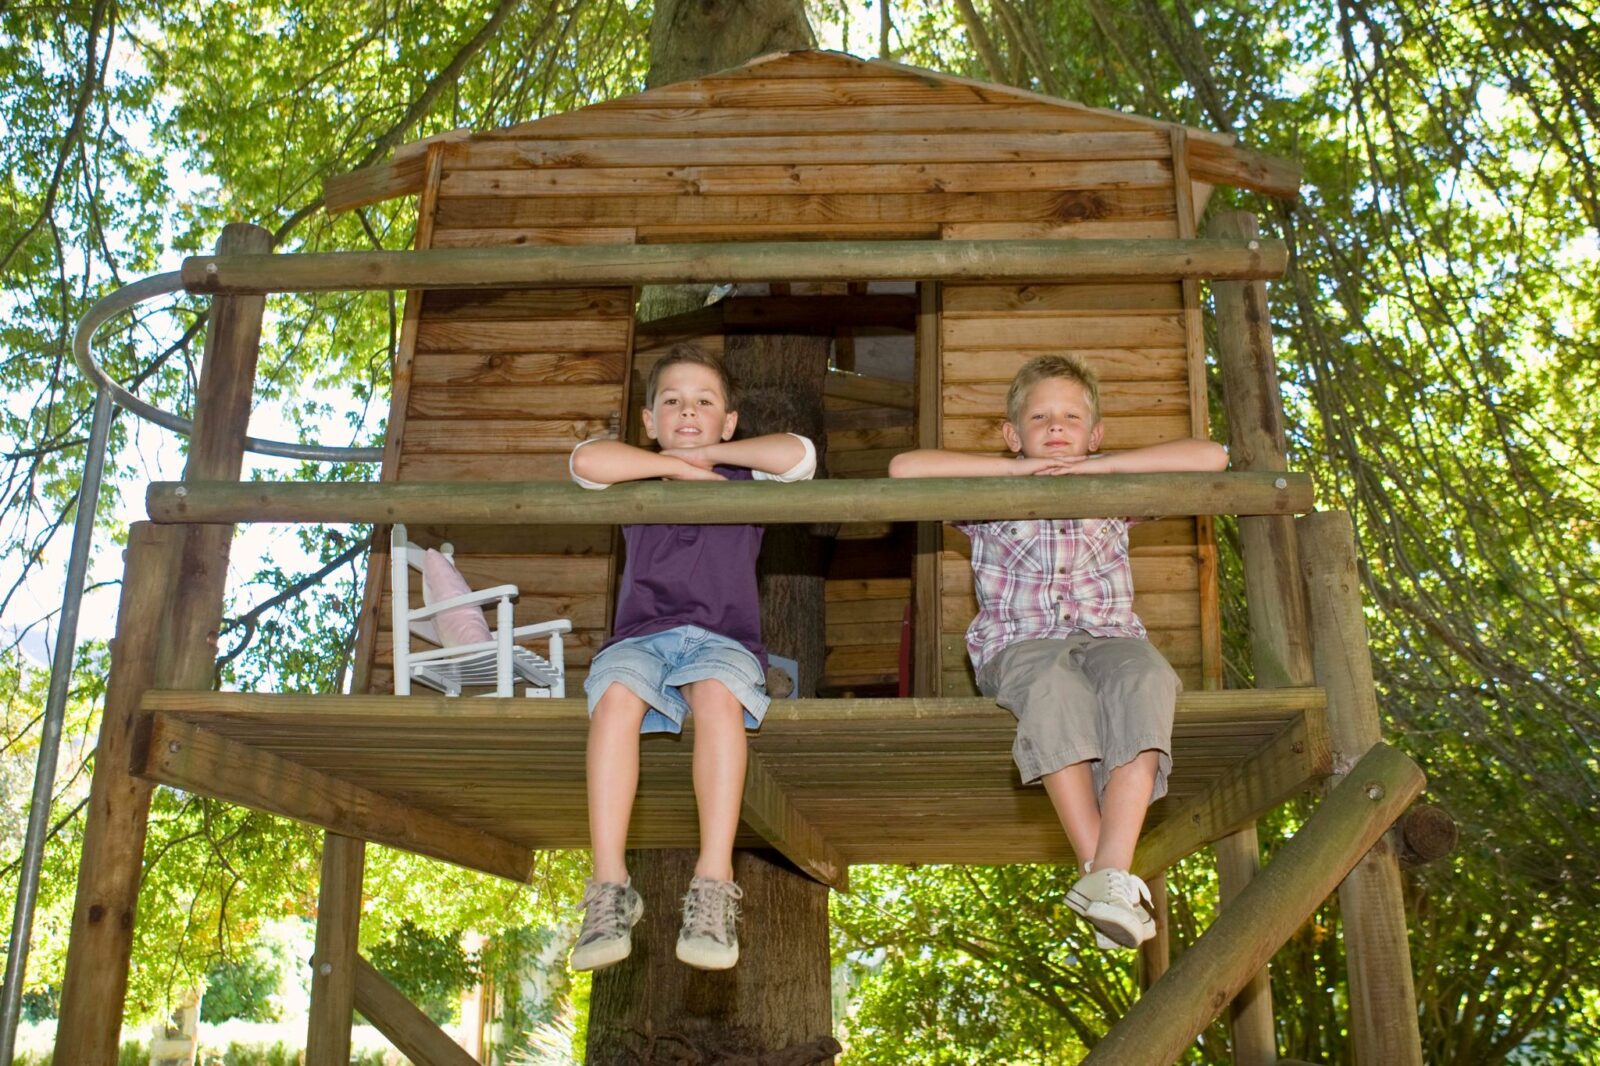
(1101, 700)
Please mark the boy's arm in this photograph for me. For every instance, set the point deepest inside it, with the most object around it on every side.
(936, 462)
(784, 456)
(598, 463)
(1174, 456)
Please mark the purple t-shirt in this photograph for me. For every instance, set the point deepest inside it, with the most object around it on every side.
(682, 575)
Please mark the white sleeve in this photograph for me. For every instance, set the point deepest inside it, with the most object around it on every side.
(803, 470)
(584, 482)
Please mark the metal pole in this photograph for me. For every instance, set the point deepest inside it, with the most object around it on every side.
(44, 776)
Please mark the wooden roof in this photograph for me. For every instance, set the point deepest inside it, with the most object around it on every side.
(483, 782)
(806, 86)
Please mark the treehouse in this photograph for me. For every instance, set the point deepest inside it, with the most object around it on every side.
(898, 241)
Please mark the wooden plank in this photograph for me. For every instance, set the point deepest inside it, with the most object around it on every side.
(878, 89)
(520, 370)
(1126, 399)
(1055, 206)
(846, 440)
(867, 589)
(529, 335)
(578, 402)
(819, 149)
(1041, 331)
(504, 436)
(193, 759)
(853, 309)
(1114, 365)
(1012, 116)
(1013, 298)
(767, 809)
(1089, 229)
(547, 466)
(532, 236)
(850, 612)
(791, 232)
(613, 301)
(374, 184)
(762, 179)
(882, 391)
(1243, 168)
(1134, 431)
(412, 1032)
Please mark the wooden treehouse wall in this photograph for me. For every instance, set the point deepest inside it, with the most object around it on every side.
(803, 147)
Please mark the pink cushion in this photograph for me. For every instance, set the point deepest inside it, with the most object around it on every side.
(442, 581)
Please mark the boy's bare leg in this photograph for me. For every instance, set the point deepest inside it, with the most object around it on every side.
(1122, 811)
(720, 754)
(613, 777)
(1071, 792)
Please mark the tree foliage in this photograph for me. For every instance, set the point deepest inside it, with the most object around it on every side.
(1437, 335)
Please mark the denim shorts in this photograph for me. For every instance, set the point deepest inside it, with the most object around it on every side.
(654, 668)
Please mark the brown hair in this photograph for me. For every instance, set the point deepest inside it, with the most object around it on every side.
(688, 353)
(1065, 366)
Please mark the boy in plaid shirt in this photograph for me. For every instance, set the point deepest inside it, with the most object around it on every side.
(1056, 641)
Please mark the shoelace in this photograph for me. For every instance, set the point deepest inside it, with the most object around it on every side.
(1132, 891)
(711, 908)
(605, 907)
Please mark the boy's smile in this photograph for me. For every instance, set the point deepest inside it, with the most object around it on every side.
(1056, 420)
(690, 410)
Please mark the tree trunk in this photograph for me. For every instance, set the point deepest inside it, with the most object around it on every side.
(652, 1008)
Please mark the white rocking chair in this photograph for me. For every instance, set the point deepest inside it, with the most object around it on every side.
(496, 663)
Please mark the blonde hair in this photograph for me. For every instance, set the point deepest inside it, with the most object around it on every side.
(688, 353)
(1067, 367)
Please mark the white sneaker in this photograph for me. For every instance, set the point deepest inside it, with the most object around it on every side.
(708, 939)
(610, 911)
(1117, 904)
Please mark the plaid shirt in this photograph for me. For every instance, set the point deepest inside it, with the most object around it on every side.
(1037, 579)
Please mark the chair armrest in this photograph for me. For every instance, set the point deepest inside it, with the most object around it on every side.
(470, 599)
(559, 625)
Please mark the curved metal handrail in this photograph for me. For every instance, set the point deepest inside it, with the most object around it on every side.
(129, 296)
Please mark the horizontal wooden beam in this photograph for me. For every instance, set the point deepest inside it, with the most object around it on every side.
(186, 756)
(1299, 755)
(403, 1023)
(865, 500)
(752, 261)
(1173, 1011)
(885, 392)
(769, 811)
(266, 706)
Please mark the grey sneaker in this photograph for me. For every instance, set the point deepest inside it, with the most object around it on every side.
(708, 940)
(610, 910)
(1117, 904)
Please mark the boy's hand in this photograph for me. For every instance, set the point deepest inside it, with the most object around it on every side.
(696, 465)
(1056, 465)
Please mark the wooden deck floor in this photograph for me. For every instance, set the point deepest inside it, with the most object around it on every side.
(483, 782)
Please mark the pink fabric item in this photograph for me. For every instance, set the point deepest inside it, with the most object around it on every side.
(442, 581)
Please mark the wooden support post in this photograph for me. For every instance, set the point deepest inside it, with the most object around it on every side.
(1383, 1000)
(334, 962)
(402, 1023)
(119, 805)
(185, 657)
(1279, 637)
(927, 672)
(1212, 971)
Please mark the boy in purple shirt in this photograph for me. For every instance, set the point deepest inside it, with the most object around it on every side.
(687, 638)
(1056, 641)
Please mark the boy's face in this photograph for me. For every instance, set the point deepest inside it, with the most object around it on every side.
(1056, 420)
(690, 410)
